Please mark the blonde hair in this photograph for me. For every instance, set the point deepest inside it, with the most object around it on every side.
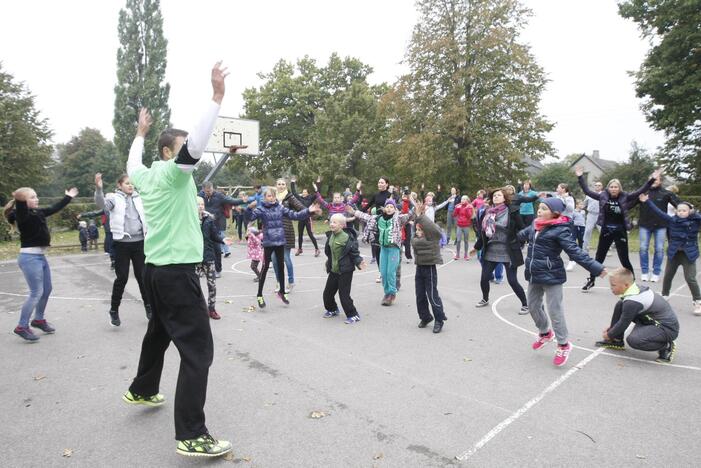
(271, 191)
(615, 181)
(200, 199)
(339, 218)
(673, 189)
(11, 204)
(623, 274)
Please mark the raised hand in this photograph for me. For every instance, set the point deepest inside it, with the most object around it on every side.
(145, 121)
(72, 192)
(293, 179)
(315, 208)
(657, 173)
(318, 179)
(419, 208)
(219, 74)
(358, 185)
(253, 204)
(643, 197)
(98, 180)
(234, 148)
(350, 209)
(316, 187)
(578, 171)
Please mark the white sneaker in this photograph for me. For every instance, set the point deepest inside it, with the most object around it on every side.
(570, 266)
(378, 279)
(654, 278)
(697, 308)
(666, 298)
(645, 277)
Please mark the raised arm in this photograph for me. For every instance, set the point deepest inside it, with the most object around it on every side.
(645, 188)
(134, 162)
(321, 201)
(55, 208)
(644, 198)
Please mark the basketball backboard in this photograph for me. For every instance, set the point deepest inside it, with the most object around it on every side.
(229, 131)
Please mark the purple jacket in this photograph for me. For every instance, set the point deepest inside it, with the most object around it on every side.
(625, 200)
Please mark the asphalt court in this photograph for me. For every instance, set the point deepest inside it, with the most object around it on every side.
(383, 392)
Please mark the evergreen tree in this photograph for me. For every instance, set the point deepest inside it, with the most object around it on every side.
(141, 68)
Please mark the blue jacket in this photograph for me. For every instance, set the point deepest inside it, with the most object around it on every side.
(683, 232)
(544, 264)
(272, 215)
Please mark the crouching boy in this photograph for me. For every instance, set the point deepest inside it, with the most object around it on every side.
(342, 258)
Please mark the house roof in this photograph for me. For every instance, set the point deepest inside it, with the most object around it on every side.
(603, 164)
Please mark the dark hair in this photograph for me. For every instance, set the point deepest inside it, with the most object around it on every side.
(207, 185)
(386, 179)
(507, 197)
(122, 178)
(167, 139)
(564, 186)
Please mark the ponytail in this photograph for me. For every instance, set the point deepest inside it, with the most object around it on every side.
(8, 209)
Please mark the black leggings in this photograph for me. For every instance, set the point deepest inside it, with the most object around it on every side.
(280, 258)
(511, 276)
(301, 226)
(610, 235)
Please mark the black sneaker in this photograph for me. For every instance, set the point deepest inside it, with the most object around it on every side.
(611, 344)
(149, 314)
(588, 285)
(437, 327)
(524, 310)
(227, 255)
(482, 303)
(284, 298)
(399, 283)
(114, 318)
(423, 323)
(112, 265)
(42, 325)
(666, 354)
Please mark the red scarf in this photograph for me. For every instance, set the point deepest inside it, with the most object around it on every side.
(540, 224)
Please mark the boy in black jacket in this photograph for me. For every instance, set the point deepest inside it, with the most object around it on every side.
(342, 258)
(212, 240)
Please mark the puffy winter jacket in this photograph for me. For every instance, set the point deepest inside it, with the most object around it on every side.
(544, 264)
(350, 257)
(625, 200)
(427, 249)
(463, 215)
(683, 232)
(273, 215)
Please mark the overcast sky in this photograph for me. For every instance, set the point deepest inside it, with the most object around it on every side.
(66, 54)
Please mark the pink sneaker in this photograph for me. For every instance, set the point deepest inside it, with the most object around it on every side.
(543, 340)
(562, 354)
(466, 257)
(457, 257)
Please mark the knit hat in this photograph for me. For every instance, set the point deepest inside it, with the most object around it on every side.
(555, 204)
(390, 201)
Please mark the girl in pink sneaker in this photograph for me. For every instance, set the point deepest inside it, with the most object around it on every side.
(547, 237)
(254, 238)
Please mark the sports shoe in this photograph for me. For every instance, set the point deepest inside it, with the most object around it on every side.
(256, 279)
(284, 298)
(524, 310)
(261, 302)
(134, 399)
(570, 266)
(543, 340)
(42, 325)
(378, 279)
(214, 315)
(149, 312)
(644, 277)
(666, 354)
(112, 265)
(26, 333)
(482, 303)
(391, 298)
(467, 257)
(385, 300)
(666, 298)
(399, 283)
(611, 344)
(437, 327)
(203, 446)
(289, 287)
(697, 308)
(299, 252)
(457, 257)
(317, 252)
(114, 318)
(499, 281)
(372, 260)
(352, 320)
(654, 278)
(424, 323)
(588, 285)
(330, 313)
(227, 255)
(217, 274)
(562, 354)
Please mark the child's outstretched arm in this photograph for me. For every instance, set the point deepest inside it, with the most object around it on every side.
(580, 256)
(56, 207)
(525, 234)
(644, 198)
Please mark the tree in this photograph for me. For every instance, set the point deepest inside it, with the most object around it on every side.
(141, 68)
(553, 174)
(82, 157)
(635, 172)
(468, 109)
(669, 78)
(25, 151)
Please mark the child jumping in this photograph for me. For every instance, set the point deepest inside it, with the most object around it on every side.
(212, 239)
(272, 213)
(547, 237)
(342, 258)
(683, 248)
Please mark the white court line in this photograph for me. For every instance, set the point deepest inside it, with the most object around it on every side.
(530, 404)
(68, 298)
(496, 313)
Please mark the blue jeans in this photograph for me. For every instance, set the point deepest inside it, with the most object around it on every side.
(36, 271)
(288, 266)
(658, 258)
(224, 248)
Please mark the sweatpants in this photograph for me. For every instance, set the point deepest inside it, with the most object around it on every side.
(389, 260)
(589, 226)
(124, 254)
(511, 276)
(339, 283)
(555, 310)
(426, 286)
(689, 268)
(279, 251)
(462, 234)
(179, 315)
(208, 270)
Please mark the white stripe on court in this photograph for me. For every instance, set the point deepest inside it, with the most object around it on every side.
(530, 404)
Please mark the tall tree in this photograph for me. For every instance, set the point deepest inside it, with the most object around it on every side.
(669, 78)
(25, 151)
(467, 111)
(141, 69)
(634, 172)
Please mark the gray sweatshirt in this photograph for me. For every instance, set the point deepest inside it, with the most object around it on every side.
(133, 229)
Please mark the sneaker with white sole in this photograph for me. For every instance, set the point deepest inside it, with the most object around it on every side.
(562, 354)
(645, 277)
(330, 313)
(697, 308)
(152, 400)
(203, 446)
(524, 310)
(378, 279)
(543, 340)
(352, 320)
(482, 303)
(570, 265)
(654, 278)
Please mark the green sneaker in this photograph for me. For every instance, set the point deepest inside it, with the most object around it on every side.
(204, 446)
(134, 399)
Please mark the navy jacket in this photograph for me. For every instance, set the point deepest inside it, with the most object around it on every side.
(543, 262)
(660, 198)
(211, 237)
(273, 215)
(683, 232)
(215, 205)
(350, 258)
(626, 200)
(512, 229)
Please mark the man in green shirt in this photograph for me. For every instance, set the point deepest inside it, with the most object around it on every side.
(173, 246)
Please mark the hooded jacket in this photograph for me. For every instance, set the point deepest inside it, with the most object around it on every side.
(427, 249)
(683, 232)
(273, 215)
(350, 257)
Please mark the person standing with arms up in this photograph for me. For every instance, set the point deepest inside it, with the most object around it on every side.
(173, 247)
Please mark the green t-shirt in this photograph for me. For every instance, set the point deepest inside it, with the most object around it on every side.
(169, 196)
(338, 243)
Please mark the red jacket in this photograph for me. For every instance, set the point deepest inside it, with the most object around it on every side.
(463, 215)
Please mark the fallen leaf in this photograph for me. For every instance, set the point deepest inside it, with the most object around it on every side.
(80, 356)
(642, 457)
(247, 459)
(67, 452)
(39, 377)
(229, 456)
(317, 414)
(228, 301)
(467, 359)
(269, 404)
(377, 456)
